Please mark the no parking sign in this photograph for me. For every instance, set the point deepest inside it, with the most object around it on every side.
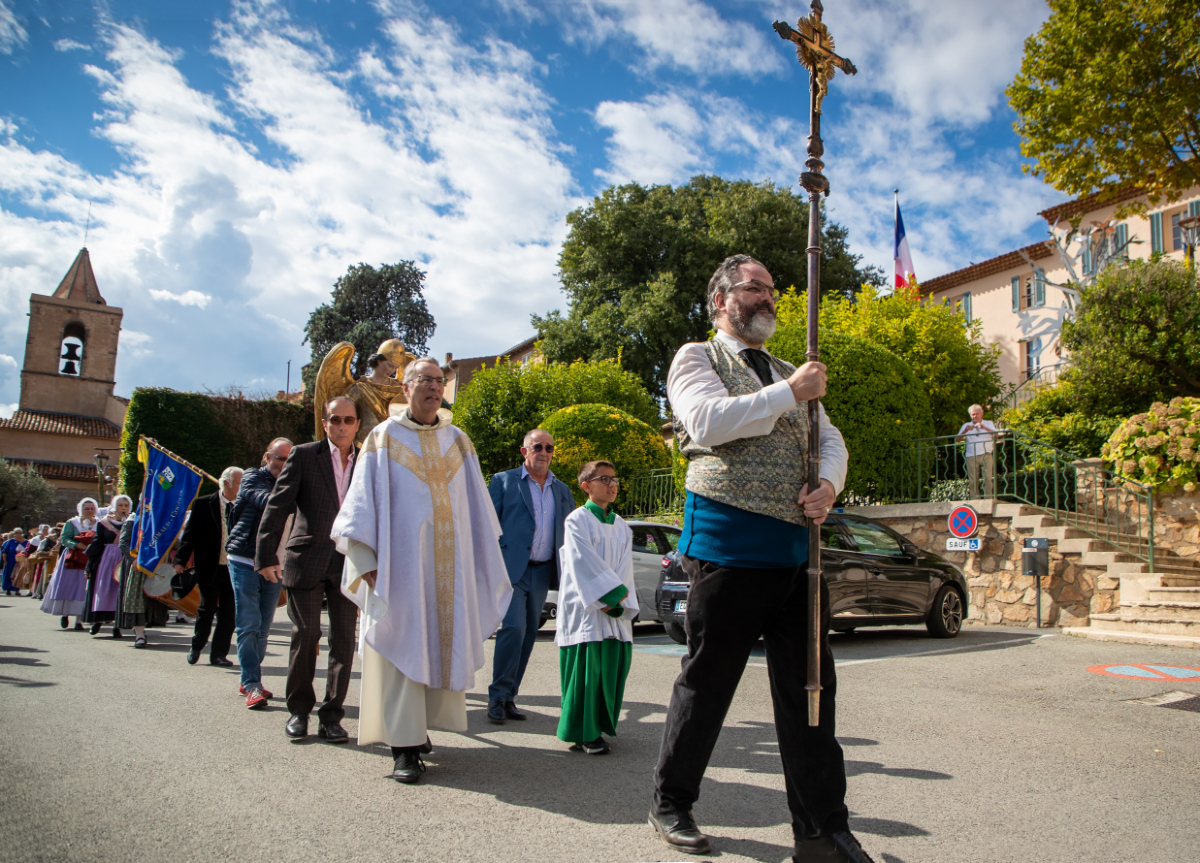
(963, 521)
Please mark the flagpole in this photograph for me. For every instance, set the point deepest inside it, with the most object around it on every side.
(182, 461)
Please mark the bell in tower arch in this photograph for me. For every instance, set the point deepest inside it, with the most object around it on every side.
(70, 357)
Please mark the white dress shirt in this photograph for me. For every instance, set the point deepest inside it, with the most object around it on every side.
(713, 417)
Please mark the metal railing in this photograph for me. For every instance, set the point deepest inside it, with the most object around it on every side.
(1074, 491)
(652, 493)
(1045, 376)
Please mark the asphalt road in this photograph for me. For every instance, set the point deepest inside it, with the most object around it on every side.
(997, 746)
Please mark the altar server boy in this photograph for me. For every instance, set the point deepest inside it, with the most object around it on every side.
(596, 607)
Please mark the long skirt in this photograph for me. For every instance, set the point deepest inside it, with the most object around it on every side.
(593, 686)
(100, 599)
(65, 596)
(134, 608)
(9, 567)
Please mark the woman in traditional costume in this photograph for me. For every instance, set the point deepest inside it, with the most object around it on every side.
(100, 599)
(65, 597)
(135, 610)
(14, 543)
(596, 607)
(48, 557)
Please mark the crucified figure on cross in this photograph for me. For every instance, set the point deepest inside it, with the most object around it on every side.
(814, 47)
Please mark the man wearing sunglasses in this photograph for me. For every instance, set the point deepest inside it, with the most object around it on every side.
(311, 486)
(741, 419)
(532, 505)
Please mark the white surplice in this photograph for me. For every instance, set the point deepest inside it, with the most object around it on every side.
(595, 559)
(418, 513)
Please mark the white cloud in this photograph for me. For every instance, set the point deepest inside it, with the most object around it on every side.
(12, 34)
(684, 34)
(6, 411)
(654, 141)
(187, 298)
(70, 45)
(461, 173)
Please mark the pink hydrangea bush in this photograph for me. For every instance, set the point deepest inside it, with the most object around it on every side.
(1161, 447)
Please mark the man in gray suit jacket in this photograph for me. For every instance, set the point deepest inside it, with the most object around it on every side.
(532, 505)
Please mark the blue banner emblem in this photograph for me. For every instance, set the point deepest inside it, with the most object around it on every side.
(170, 487)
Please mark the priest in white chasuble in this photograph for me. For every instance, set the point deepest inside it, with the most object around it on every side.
(423, 562)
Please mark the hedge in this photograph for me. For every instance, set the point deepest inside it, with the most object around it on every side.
(874, 400)
(584, 433)
(212, 432)
(504, 402)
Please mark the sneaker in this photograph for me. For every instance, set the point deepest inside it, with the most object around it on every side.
(243, 691)
(599, 746)
(256, 699)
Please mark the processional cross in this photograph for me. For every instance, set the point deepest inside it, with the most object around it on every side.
(814, 47)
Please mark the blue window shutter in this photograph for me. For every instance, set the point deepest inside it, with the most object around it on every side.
(1039, 290)
(1156, 237)
(1016, 289)
(1194, 208)
(966, 307)
(1085, 258)
(1121, 239)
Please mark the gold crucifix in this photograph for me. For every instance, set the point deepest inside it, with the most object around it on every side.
(814, 47)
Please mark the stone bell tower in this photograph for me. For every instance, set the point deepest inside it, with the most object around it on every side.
(71, 351)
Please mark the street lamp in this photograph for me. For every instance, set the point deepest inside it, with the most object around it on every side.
(1190, 228)
(101, 460)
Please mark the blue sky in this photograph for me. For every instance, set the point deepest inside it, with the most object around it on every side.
(238, 156)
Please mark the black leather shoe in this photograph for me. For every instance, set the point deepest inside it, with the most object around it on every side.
(510, 711)
(96, 627)
(62, 621)
(679, 831)
(193, 656)
(839, 847)
(408, 767)
(297, 726)
(219, 661)
(333, 732)
(78, 626)
(426, 747)
(496, 713)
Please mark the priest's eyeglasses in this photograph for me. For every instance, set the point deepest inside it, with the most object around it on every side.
(759, 289)
(426, 380)
(607, 480)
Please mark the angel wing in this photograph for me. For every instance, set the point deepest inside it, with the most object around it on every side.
(333, 379)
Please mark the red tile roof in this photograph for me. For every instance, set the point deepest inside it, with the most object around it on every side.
(61, 470)
(79, 284)
(1056, 214)
(988, 268)
(69, 424)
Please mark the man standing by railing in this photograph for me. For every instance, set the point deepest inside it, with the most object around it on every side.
(980, 435)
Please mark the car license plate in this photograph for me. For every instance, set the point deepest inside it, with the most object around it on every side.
(964, 544)
(680, 606)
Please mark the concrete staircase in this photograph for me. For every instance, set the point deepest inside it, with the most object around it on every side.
(1160, 607)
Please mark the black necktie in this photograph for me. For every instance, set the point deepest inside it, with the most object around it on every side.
(758, 361)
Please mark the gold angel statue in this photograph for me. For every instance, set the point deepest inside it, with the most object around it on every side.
(374, 392)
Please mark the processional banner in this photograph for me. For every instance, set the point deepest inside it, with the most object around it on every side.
(170, 486)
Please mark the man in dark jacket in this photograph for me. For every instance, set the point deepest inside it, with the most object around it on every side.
(313, 483)
(204, 539)
(256, 596)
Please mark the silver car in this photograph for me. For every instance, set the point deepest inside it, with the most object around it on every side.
(651, 541)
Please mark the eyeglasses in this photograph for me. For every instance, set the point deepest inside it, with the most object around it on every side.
(759, 289)
(426, 380)
(538, 447)
(337, 421)
(607, 480)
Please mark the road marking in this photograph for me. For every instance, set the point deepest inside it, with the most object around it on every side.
(1147, 672)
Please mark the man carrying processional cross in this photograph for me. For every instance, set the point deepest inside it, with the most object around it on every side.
(423, 563)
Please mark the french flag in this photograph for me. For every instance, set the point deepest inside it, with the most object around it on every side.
(902, 256)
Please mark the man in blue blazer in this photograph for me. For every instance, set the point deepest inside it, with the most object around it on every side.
(532, 505)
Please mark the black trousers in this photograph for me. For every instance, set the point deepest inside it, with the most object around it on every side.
(729, 609)
(304, 609)
(216, 600)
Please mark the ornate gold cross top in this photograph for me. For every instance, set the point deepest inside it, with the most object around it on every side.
(814, 47)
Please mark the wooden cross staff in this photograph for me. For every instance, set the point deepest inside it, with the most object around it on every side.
(814, 47)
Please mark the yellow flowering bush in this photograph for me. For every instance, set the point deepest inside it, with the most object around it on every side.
(588, 432)
(1159, 447)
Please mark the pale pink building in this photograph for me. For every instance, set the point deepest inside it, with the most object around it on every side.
(1022, 313)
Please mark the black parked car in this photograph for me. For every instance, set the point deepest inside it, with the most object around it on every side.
(876, 578)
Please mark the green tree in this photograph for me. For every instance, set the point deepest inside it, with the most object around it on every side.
(1136, 337)
(1109, 94)
(24, 490)
(636, 264)
(874, 400)
(954, 368)
(584, 433)
(1053, 416)
(369, 306)
(506, 401)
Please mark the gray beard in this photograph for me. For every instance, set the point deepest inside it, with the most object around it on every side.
(755, 328)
